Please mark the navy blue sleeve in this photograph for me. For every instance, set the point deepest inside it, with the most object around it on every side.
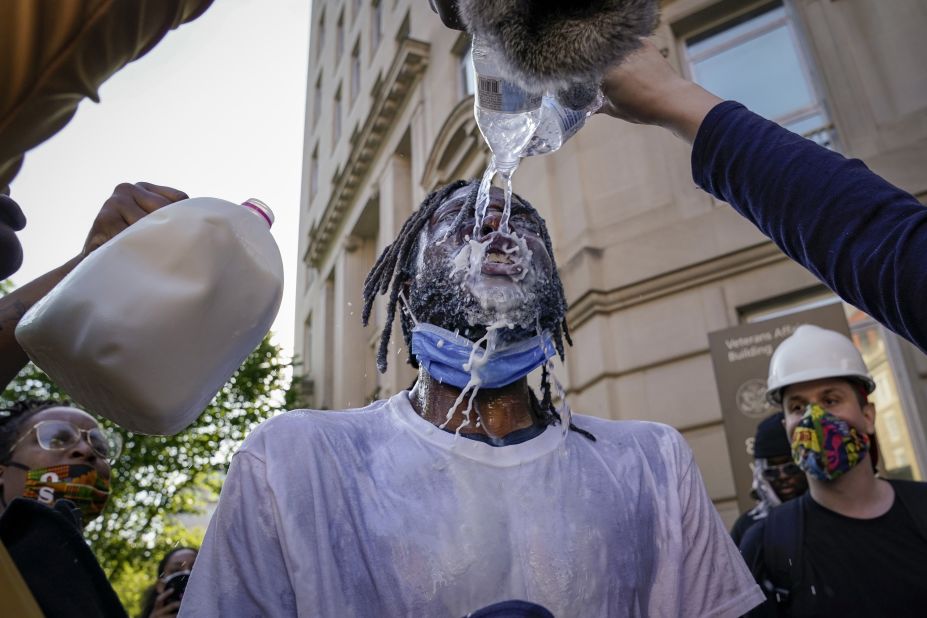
(863, 237)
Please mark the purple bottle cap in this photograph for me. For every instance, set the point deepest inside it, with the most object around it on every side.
(260, 208)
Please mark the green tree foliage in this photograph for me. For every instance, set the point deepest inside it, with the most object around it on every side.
(157, 478)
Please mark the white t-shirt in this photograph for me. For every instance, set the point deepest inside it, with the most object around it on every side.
(377, 512)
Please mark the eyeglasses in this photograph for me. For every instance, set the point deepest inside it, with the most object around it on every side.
(53, 435)
(772, 473)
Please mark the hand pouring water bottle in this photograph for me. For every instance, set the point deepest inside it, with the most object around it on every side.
(558, 49)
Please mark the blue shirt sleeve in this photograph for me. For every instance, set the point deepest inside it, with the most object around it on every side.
(863, 237)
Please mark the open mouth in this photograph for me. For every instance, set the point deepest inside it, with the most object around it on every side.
(497, 257)
(502, 257)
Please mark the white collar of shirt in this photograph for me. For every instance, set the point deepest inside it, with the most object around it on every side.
(498, 456)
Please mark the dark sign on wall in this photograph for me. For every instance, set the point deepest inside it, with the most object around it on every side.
(740, 356)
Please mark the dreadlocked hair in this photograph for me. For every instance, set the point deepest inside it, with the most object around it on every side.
(545, 409)
(392, 263)
(14, 417)
(396, 267)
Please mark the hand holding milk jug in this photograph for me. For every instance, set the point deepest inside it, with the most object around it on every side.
(147, 329)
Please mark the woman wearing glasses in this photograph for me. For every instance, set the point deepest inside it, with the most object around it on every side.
(51, 451)
(55, 474)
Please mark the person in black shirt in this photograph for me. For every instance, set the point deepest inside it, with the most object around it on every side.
(55, 473)
(855, 544)
(776, 478)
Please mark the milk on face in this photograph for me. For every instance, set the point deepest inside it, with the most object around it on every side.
(147, 329)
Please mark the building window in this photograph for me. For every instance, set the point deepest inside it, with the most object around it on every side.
(306, 360)
(893, 427)
(355, 71)
(465, 71)
(317, 101)
(376, 26)
(757, 59)
(320, 36)
(336, 118)
(314, 173)
(339, 38)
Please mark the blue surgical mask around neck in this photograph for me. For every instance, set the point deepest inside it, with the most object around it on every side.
(446, 357)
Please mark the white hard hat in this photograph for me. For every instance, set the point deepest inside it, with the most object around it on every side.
(814, 353)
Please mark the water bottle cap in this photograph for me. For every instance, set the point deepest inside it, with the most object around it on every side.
(506, 168)
(260, 208)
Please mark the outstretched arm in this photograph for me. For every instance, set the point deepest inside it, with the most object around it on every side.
(645, 89)
(128, 204)
(863, 237)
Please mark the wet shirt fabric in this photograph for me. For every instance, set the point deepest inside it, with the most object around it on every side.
(853, 567)
(376, 512)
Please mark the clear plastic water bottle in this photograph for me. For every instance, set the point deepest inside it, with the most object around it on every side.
(506, 113)
(560, 120)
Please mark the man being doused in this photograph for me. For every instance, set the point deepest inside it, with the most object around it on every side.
(389, 510)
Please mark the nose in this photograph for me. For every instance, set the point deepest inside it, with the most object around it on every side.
(494, 210)
(491, 221)
(82, 451)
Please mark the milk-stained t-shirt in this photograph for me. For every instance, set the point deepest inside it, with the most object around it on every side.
(377, 512)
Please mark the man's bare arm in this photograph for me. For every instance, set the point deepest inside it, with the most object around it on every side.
(645, 89)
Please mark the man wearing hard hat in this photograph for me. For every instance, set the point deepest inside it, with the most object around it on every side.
(855, 544)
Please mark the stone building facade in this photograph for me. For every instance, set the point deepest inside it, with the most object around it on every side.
(650, 263)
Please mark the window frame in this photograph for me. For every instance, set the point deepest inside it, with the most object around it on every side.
(317, 100)
(320, 35)
(826, 134)
(465, 76)
(356, 71)
(337, 119)
(376, 26)
(339, 37)
(314, 172)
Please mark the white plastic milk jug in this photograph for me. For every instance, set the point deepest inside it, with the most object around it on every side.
(147, 329)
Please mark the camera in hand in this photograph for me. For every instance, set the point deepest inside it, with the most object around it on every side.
(176, 583)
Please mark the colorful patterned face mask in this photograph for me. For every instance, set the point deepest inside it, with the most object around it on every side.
(825, 446)
(78, 483)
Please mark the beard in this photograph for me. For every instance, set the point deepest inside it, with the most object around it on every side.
(456, 301)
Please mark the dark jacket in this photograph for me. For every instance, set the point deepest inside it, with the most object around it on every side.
(53, 558)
